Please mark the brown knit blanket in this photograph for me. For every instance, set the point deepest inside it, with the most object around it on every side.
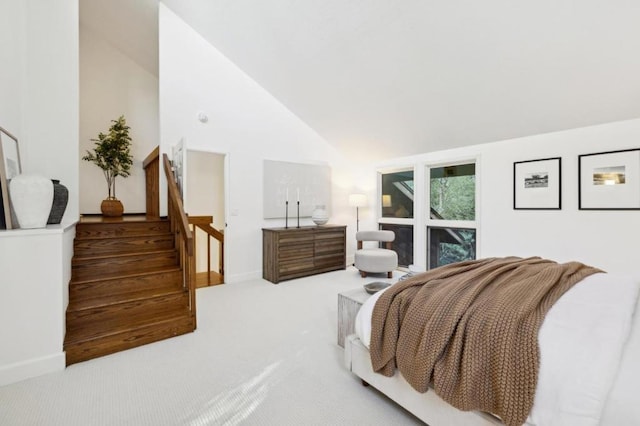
(470, 330)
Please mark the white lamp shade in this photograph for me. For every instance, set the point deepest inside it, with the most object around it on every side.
(386, 200)
(357, 200)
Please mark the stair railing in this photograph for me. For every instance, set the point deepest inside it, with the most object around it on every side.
(204, 223)
(182, 234)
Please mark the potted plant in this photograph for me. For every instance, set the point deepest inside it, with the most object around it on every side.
(112, 153)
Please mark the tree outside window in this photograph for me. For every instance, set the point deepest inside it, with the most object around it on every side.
(452, 198)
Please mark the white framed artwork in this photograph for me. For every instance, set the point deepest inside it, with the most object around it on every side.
(609, 180)
(537, 184)
(310, 184)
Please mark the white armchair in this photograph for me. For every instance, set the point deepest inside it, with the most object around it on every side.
(376, 260)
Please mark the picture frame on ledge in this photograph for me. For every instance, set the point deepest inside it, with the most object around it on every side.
(9, 168)
(609, 180)
(537, 184)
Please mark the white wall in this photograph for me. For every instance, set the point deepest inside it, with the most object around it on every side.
(112, 84)
(245, 122)
(34, 301)
(204, 196)
(39, 104)
(605, 239)
(12, 45)
(39, 86)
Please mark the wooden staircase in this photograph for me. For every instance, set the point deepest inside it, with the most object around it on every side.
(126, 287)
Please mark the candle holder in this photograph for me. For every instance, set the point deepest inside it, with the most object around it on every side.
(286, 215)
(298, 215)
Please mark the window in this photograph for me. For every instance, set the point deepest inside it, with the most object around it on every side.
(403, 244)
(451, 223)
(450, 245)
(453, 192)
(397, 194)
(396, 203)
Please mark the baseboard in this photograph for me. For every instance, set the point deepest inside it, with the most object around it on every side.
(236, 278)
(34, 367)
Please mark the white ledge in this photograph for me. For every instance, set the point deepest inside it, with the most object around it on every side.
(49, 230)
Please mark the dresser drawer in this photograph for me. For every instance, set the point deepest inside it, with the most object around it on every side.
(295, 251)
(329, 234)
(287, 238)
(295, 266)
(335, 261)
(328, 246)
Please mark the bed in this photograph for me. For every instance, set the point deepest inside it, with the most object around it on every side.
(589, 361)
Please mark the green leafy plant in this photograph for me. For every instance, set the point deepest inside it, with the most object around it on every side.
(112, 153)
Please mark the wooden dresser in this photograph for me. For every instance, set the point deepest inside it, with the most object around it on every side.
(297, 252)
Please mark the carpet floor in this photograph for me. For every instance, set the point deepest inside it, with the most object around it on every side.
(263, 354)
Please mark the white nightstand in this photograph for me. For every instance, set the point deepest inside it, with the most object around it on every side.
(349, 303)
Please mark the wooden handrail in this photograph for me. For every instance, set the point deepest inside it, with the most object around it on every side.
(204, 223)
(213, 232)
(200, 220)
(182, 233)
(176, 200)
(153, 155)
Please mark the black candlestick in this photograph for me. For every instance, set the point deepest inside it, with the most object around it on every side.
(286, 215)
(298, 215)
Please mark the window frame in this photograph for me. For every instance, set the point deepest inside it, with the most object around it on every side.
(379, 207)
(417, 203)
(449, 223)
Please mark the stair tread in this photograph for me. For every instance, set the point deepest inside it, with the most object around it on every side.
(126, 274)
(122, 325)
(124, 297)
(84, 350)
(122, 275)
(120, 228)
(113, 237)
(91, 218)
(80, 259)
(121, 223)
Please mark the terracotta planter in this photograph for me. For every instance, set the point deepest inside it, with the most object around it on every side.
(111, 207)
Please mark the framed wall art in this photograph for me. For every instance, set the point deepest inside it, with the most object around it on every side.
(609, 180)
(9, 168)
(310, 184)
(537, 184)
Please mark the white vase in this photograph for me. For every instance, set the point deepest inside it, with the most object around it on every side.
(320, 215)
(31, 198)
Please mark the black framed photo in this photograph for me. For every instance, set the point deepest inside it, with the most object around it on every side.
(609, 180)
(537, 184)
(9, 168)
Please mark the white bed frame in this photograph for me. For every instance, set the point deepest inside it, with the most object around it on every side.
(428, 407)
(622, 407)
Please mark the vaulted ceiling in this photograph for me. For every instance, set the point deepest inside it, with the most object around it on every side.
(400, 77)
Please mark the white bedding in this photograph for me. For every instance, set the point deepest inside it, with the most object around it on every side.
(581, 344)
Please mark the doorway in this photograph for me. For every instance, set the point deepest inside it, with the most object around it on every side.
(204, 196)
